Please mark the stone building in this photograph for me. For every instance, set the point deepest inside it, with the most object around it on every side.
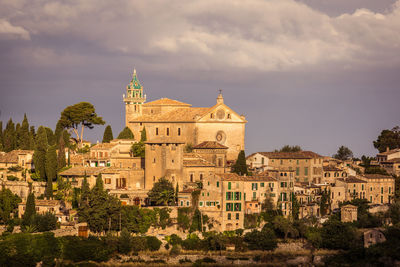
(348, 213)
(331, 173)
(373, 236)
(307, 165)
(174, 120)
(388, 155)
(22, 158)
(42, 206)
(380, 188)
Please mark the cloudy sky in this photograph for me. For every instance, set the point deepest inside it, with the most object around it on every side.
(314, 73)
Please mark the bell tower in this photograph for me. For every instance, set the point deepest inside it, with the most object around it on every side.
(133, 99)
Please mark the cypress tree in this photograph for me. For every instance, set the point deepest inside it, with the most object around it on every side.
(9, 136)
(240, 166)
(85, 190)
(1, 136)
(61, 162)
(143, 135)
(39, 156)
(49, 189)
(51, 163)
(58, 131)
(50, 136)
(99, 183)
(108, 134)
(126, 133)
(25, 141)
(32, 136)
(18, 138)
(30, 210)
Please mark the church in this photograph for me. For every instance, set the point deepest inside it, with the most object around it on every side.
(170, 120)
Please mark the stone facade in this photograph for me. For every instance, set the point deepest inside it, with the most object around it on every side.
(174, 120)
(307, 165)
(348, 213)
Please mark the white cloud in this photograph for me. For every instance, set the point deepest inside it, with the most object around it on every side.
(10, 31)
(274, 35)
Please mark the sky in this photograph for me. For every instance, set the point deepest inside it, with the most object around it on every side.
(314, 73)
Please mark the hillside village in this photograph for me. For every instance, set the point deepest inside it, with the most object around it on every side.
(196, 156)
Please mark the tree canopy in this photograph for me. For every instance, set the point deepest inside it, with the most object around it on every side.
(82, 115)
(288, 148)
(39, 156)
(343, 153)
(126, 133)
(388, 139)
(240, 166)
(162, 192)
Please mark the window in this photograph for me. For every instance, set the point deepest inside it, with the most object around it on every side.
(229, 215)
(229, 115)
(211, 115)
(297, 170)
(107, 181)
(217, 184)
(305, 170)
(389, 190)
(167, 131)
(254, 186)
(179, 131)
(297, 162)
(154, 160)
(238, 206)
(381, 199)
(237, 216)
(362, 187)
(281, 161)
(237, 196)
(229, 195)
(261, 184)
(201, 203)
(219, 162)
(381, 190)
(191, 177)
(201, 177)
(229, 206)
(156, 131)
(229, 185)
(254, 195)
(262, 161)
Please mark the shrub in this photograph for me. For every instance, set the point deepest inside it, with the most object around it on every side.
(138, 243)
(125, 242)
(174, 239)
(44, 222)
(264, 240)
(12, 178)
(175, 250)
(192, 242)
(79, 249)
(153, 243)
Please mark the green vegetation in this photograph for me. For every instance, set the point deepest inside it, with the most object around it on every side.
(82, 115)
(126, 133)
(162, 192)
(8, 204)
(287, 148)
(138, 149)
(39, 156)
(388, 139)
(108, 134)
(343, 153)
(240, 166)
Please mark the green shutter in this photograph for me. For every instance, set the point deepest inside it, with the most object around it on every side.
(217, 184)
(226, 195)
(240, 194)
(229, 185)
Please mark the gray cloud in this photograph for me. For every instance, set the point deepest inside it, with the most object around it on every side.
(305, 73)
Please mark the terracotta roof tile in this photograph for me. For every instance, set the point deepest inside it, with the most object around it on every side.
(103, 146)
(290, 155)
(166, 102)
(80, 171)
(178, 115)
(351, 179)
(194, 160)
(377, 176)
(210, 144)
(389, 152)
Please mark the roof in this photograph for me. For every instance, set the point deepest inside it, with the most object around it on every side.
(103, 146)
(166, 102)
(12, 156)
(290, 155)
(349, 206)
(194, 160)
(45, 202)
(81, 171)
(392, 151)
(176, 115)
(390, 161)
(377, 176)
(134, 84)
(331, 169)
(236, 177)
(210, 145)
(351, 179)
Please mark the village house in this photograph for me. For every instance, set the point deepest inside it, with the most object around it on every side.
(373, 236)
(307, 165)
(42, 206)
(348, 213)
(388, 155)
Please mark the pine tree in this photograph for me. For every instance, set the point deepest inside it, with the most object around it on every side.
(51, 163)
(240, 166)
(9, 136)
(108, 134)
(61, 162)
(30, 210)
(25, 141)
(39, 156)
(143, 135)
(126, 133)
